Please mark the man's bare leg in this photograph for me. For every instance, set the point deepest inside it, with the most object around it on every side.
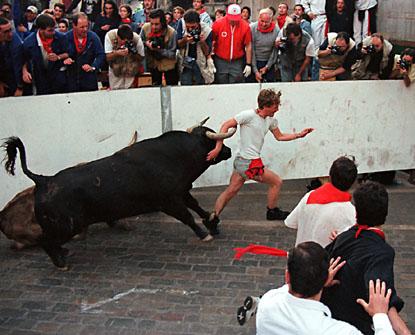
(235, 184)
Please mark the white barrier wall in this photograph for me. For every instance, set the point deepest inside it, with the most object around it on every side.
(372, 120)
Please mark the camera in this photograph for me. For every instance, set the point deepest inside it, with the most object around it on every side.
(132, 49)
(283, 44)
(195, 33)
(157, 42)
(370, 49)
(335, 50)
(404, 64)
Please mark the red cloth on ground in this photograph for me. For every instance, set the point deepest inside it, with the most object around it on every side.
(260, 250)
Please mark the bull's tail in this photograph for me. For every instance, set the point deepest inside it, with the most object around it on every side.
(10, 146)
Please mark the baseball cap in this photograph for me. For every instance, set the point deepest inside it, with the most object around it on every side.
(234, 12)
(32, 9)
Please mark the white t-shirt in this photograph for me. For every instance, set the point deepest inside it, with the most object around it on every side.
(315, 222)
(280, 313)
(253, 129)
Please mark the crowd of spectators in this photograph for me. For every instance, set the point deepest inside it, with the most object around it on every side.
(318, 40)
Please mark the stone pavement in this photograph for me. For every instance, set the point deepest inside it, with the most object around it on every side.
(159, 279)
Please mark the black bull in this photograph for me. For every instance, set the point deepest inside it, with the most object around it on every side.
(152, 175)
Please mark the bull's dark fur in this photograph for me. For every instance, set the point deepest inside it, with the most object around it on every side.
(152, 175)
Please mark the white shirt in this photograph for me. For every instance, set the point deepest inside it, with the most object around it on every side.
(365, 4)
(253, 129)
(315, 222)
(314, 6)
(280, 313)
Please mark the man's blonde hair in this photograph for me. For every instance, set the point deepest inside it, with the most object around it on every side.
(268, 97)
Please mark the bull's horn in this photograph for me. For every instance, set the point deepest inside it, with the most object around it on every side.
(220, 136)
(133, 139)
(201, 123)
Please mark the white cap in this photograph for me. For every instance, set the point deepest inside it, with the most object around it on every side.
(234, 12)
(32, 9)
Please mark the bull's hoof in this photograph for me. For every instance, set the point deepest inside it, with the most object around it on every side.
(208, 238)
(63, 268)
(212, 224)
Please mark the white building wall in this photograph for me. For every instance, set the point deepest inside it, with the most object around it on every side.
(372, 120)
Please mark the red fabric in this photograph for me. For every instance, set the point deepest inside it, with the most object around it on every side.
(222, 36)
(126, 20)
(256, 168)
(151, 34)
(80, 46)
(368, 24)
(281, 20)
(47, 44)
(326, 28)
(259, 250)
(202, 11)
(377, 231)
(327, 194)
(268, 30)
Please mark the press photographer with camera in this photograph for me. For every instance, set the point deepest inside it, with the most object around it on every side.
(336, 56)
(403, 68)
(195, 45)
(374, 59)
(296, 49)
(124, 50)
(160, 48)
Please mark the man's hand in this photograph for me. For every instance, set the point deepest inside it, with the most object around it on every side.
(297, 77)
(311, 15)
(122, 52)
(52, 57)
(87, 68)
(247, 70)
(3, 88)
(105, 27)
(378, 298)
(27, 77)
(258, 76)
(21, 28)
(18, 92)
(333, 235)
(213, 154)
(335, 266)
(305, 132)
(68, 61)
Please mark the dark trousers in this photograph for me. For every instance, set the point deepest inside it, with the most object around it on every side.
(171, 76)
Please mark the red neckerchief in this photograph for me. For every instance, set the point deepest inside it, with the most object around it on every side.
(268, 30)
(259, 250)
(151, 34)
(255, 168)
(281, 20)
(80, 46)
(47, 44)
(126, 20)
(377, 231)
(326, 194)
(202, 11)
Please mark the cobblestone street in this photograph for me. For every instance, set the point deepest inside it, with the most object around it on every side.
(160, 279)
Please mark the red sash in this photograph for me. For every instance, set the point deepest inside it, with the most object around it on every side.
(327, 194)
(281, 20)
(80, 46)
(268, 30)
(256, 168)
(47, 44)
(126, 20)
(377, 231)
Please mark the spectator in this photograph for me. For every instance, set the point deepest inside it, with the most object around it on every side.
(27, 24)
(177, 15)
(86, 55)
(92, 8)
(124, 50)
(108, 20)
(301, 18)
(126, 14)
(160, 47)
(368, 256)
(336, 56)
(11, 60)
(328, 208)
(283, 19)
(63, 25)
(264, 55)
(274, 14)
(219, 13)
(7, 12)
(169, 18)
(364, 21)
(232, 43)
(199, 6)
(340, 16)
(295, 53)
(246, 14)
(142, 16)
(254, 125)
(375, 59)
(403, 67)
(316, 11)
(295, 308)
(44, 53)
(195, 45)
(58, 11)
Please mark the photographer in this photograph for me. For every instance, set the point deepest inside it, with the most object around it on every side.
(86, 55)
(375, 59)
(124, 50)
(160, 43)
(403, 68)
(336, 56)
(195, 44)
(296, 48)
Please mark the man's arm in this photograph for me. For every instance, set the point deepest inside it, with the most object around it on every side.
(279, 136)
(231, 123)
(398, 324)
